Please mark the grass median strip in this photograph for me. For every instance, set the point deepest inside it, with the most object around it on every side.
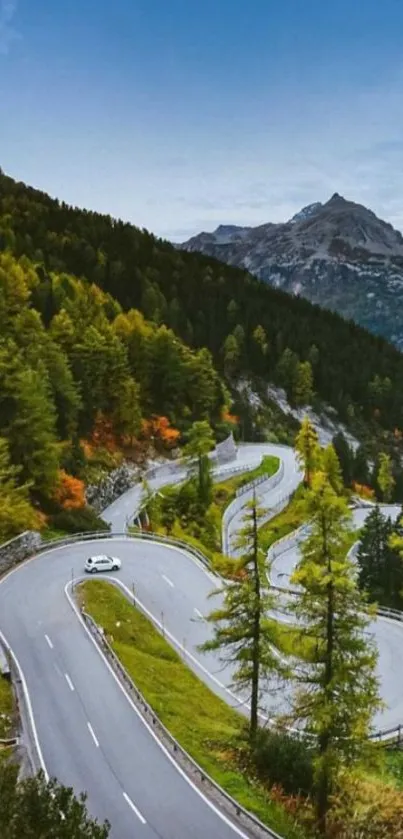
(212, 732)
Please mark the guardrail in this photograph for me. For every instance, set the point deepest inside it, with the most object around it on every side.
(233, 806)
(141, 535)
(242, 500)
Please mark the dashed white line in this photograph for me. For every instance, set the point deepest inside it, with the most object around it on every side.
(198, 613)
(134, 808)
(69, 682)
(167, 580)
(49, 642)
(91, 730)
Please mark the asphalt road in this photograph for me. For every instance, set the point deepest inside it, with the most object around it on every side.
(90, 736)
(388, 633)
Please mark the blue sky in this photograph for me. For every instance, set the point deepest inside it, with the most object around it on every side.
(179, 115)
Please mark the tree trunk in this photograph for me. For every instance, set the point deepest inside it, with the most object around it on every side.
(323, 782)
(256, 631)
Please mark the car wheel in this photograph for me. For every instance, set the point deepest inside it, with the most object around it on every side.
(94, 570)
(115, 567)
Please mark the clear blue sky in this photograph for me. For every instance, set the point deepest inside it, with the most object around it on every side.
(182, 114)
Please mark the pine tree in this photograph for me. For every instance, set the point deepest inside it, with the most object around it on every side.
(337, 692)
(241, 630)
(307, 448)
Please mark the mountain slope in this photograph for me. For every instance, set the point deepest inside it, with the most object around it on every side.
(338, 255)
(250, 328)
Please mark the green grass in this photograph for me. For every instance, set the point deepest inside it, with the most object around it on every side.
(224, 492)
(285, 522)
(6, 709)
(212, 732)
(52, 533)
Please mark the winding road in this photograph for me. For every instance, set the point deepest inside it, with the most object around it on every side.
(90, 735)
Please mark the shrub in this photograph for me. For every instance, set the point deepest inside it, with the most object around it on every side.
(70, 492)
(284, 759)
(84, 520)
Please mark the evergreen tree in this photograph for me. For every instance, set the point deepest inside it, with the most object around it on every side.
(379, 563)
(199, 444)
(337, 692)
(307, 448)
(360, 468)
(345, 457)
(242, 633)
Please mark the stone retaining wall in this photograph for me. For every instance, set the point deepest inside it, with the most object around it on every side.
(18, 549)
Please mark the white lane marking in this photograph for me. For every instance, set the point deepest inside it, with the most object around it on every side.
(91, 730)
(165, 751)
(198, 613)
(49, 642)
(134, 808)
(28, 704)
(69, 682)
(167, 580)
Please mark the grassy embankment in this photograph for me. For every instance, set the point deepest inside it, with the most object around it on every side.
(212, 732)
(7, 716)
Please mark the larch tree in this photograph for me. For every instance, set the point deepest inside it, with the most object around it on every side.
(242, 633)
(385, 479)
(303, 384)
(336, 693)
(331, 466)
(308, 449)
(16, 513)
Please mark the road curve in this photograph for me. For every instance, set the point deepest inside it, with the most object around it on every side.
(90, 736)
(387, 633)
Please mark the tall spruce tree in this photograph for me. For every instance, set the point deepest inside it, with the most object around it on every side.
(196, 451)
(380, 566)
(242, 632)
(336, 693)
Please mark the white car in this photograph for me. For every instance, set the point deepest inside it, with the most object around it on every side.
(94, 564)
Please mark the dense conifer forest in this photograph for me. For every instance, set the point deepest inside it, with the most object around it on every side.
(112, 338)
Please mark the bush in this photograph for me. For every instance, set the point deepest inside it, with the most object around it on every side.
(284, 759)
(84, 520)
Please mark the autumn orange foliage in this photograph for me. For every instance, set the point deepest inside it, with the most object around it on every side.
(159, 431)
(363, 490)
(230, 418)
(70, 492)
(103, 433)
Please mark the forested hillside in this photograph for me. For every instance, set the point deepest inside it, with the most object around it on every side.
(247, 326)
(96, 323)
(82, 384)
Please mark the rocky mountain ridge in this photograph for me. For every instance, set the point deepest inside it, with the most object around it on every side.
(338, 254)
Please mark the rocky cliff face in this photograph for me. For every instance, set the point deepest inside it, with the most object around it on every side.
(338, 254)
